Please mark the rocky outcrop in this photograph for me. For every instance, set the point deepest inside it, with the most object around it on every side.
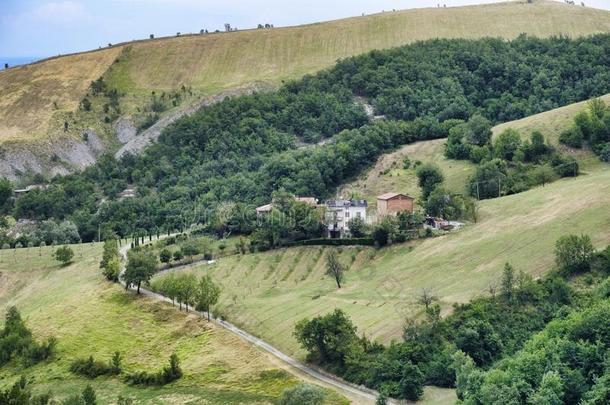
(125, 131)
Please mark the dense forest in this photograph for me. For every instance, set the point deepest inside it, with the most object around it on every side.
(245, 148)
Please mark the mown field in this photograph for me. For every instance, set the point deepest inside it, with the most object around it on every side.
(92, 317)
(38, 98)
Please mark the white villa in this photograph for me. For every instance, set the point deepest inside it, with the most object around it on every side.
(340, 212)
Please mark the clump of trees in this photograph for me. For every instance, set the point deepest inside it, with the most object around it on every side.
(187, 290)
(429, 176)
(289, 220)
(111, 260)
(168, 374)
(574, 254)
(505, 165)
(92, 368)
(141, 267)
(17, 342)
(592, 126)
(20, 393)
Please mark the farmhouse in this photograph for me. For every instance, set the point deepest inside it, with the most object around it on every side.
(265, 209)
(340, 212)
(393, 203)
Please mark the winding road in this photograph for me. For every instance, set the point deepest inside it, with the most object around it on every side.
(356, 394)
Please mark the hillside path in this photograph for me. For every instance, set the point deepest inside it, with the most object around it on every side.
(356, 394)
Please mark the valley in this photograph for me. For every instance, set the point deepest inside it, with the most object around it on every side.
(403, 207)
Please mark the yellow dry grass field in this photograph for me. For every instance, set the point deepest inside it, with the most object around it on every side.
(30, 95)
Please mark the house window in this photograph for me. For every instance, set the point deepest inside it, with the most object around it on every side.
(359, 214)
(347, 214)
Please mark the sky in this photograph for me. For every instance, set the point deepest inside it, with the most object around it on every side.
(41, 28)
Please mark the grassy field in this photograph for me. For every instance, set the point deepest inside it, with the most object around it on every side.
(92, 317)
(551, 124)
(214, 62)
(388, 173)
(267, 293)
(33, 95)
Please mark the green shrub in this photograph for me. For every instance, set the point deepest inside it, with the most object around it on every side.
(302, 394)
(572, 137)
(92, 368)
(573, 254)
(64, 254)
(168, 374)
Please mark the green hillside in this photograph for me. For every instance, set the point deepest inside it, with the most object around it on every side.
(90, 316)
(267, 293)
(39, 99)
(388, 172)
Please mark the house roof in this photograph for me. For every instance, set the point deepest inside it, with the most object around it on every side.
(264, 208)
(346, 203)
(307, 200)
(389, 196)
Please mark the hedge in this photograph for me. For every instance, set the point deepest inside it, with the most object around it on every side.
(333, 242)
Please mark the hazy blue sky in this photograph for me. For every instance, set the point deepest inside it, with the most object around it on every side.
(50, 27)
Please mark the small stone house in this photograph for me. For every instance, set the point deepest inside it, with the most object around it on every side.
(393, 203)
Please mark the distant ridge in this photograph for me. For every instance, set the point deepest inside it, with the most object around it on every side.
(38, 99)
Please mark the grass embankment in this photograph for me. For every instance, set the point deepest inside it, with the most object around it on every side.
(551, 124)
(92, 317)
(267, 293)
(388, 173)
(215, 62)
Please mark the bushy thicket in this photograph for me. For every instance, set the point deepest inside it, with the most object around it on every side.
(168, 374)
(496, 332)
(244, 148)
(506, 165)
(593, 126)
(20, 393)
(92, 368)
(17, 342)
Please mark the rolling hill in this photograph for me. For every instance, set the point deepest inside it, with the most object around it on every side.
(42, 128)
(267, 293)
(90, 316)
